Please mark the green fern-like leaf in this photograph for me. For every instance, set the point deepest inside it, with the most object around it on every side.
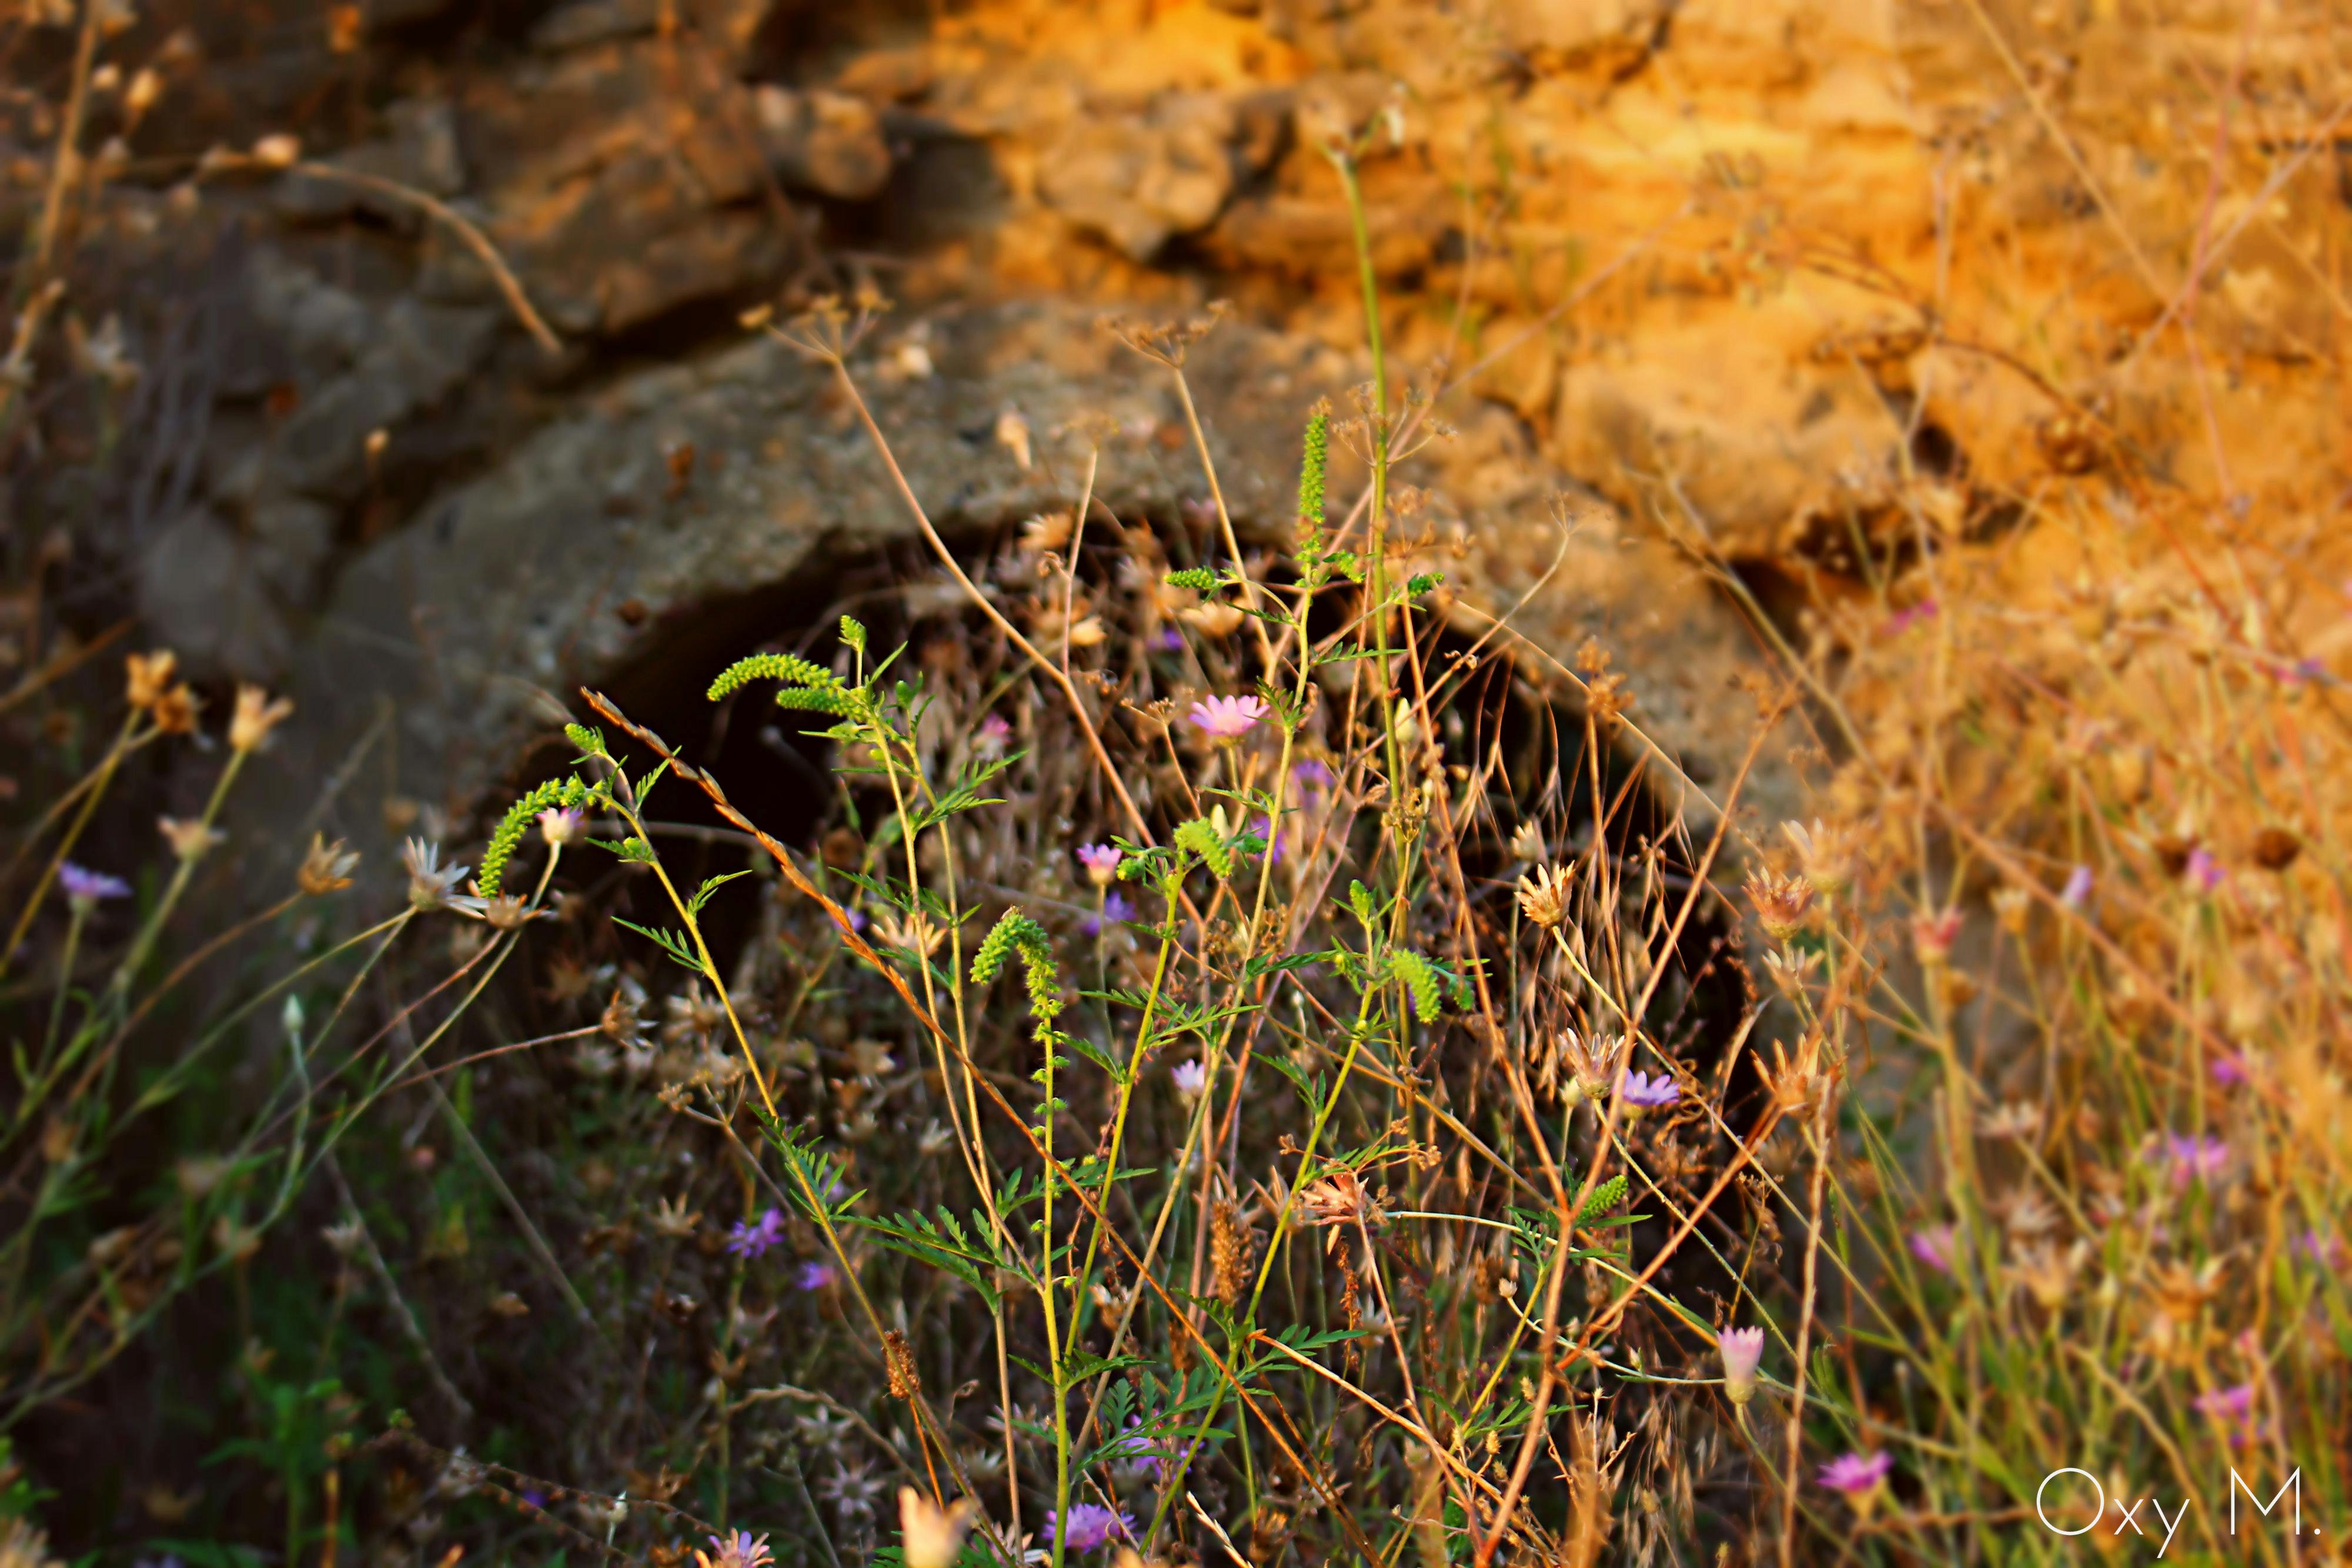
(589, 741)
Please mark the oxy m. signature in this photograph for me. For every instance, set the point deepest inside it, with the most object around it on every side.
(2126, 1513)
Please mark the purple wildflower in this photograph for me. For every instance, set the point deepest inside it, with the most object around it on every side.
(1190, 1078)
(1649, 1092)
(1168, 640)
(2321, 1246)
(1102, 862)
(2195, 1159)
(819, 1275)
(1263, 828)
(994, 735)
(534, 1496)
(2204, 870)
(1312, 773)
(1115, 910)
(1227, 718)
(2229, 1069)
(1901, 621)
(740, 1550)
(2077, 889)
(86, 889)
(1933, 1247)
(749, 1241)
(1854, 1474)
(2226, 1403)
(1091, 1525)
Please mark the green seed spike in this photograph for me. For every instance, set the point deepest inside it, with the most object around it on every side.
(1310, 471)
(556, 793)
(789, 668)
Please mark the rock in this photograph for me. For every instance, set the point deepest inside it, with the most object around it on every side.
(829, 143)
(616, 197)
(511, 578)
(1138, 179)
(202, 594)
(420, 155)
(585, 22)
(419, 354)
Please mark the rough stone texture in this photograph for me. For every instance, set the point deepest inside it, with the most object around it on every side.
(482, 621)
(829, 143)
(1780, 273)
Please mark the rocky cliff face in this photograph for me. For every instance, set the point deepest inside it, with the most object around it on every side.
(1812, 283)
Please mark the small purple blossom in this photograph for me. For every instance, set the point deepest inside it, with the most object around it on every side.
(2194, 1159)
(1102, 862)
(819, 1275)
(2302, 670)
(856, 919)
(749, 1241)
(1091, 1525)
(2077, 889)
(994, 735)
(86, 889)
(1263, 828)
(1190, 1078)
(2229, 1069)
(1649, 1092)
(1116, 911)
(560, 824)
(740, 1550)
(2226, 1403)
(1168, 640)
(1933, 1247)
(1227, 718)
(2321, 1246)
(2204, 870)
(1743, 1353)
(534, 1496)
(1312, 773)
(1854, 1474)
(1901, 621)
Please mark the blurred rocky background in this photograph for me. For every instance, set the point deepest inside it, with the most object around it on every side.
(1813, 285)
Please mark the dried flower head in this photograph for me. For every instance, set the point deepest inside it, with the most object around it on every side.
(1214, 619)
(914, 933)
(1826, 855)
(1543, 895)
(189, 840)
(431, 884)
(326, 868)
(1339, 1197)
(149, 676)
(256, 715)
(1781, 901)
(930, 1536)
